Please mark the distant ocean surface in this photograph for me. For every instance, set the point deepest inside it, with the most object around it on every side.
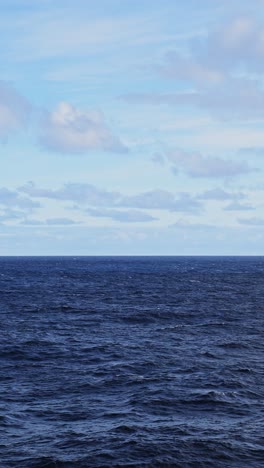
(131, 362)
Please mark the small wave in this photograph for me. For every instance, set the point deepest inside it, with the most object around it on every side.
(209, 355)
(44, 462)
(233, 345)
(244, 370)
(213, 324)
(215, 396)
(120, 363)
(125, 429)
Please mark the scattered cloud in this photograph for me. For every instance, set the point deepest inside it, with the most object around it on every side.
(49, 222)
(220, 194)
(200, 63)
(81, 193)
(129, 216)
(251, 221)
(162, 199)
(186, 226)
(32, 222)
(195, 164)
(14, 110)
(60, 221)
(235, 98)
(14, 206)
(236, 206)
(71, 130)
(220, 72)
(236, 45)
(10, 215)
(252, 150)
(158, 158)
(87, 194)
(12, 199)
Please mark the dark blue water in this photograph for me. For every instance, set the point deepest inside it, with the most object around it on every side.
(131, 362)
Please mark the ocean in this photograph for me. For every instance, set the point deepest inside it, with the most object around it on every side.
(131, 362)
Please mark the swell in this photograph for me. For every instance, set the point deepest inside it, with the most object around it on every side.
(130, 363)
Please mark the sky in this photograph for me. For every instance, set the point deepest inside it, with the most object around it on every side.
(131, 127)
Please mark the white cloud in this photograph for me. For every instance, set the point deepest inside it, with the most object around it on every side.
(9, 214)
(162, 199)
(49, 222)
(220, 194)
(87, 194)
(220, 72)
(81, 193)
(12, 199)
(188, 226)
(226, 137)
(60, 221)
(252, 150)
(14, 110)
(14, 207)
(235, 47)
(251, 221)
(239, 98)
(236, 206)
(238, 44)
(128, 216)
(31, 222)
(71, 130)
(196, 165)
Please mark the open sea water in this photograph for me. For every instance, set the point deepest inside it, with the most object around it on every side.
(131, 362)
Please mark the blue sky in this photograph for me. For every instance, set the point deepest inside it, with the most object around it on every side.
(131, 127)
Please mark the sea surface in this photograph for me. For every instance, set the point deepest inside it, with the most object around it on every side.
(131, 362)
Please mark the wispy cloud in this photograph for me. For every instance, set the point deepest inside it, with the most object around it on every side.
(235, 98)
(187, 70)
(47, 33)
